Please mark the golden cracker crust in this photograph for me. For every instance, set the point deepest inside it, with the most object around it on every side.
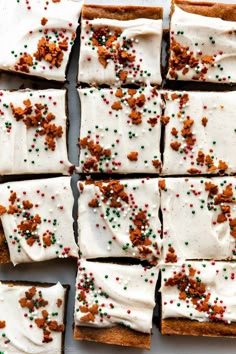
(4, 251)
(122, 13)
(118, 335)
(187, 327)
(226, 12)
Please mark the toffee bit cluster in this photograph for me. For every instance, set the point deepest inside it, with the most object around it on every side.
(34, 302)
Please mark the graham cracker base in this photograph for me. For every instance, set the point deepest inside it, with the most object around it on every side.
(122, 13)
(4, 251)
(118, 335)
(226, 12)
(187, 327)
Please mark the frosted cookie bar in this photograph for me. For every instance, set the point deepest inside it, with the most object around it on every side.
(202, 42)
(41, 43)
(120, 219)
(36, 216)
(116, 42)
(198, 299)
(199, 218)
(120, 130)
(200, 133)
(114, 303)
(32, 317)
(33, 132)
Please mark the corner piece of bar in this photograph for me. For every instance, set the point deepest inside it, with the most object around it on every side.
(32, 317)
(36, 38)
(198, 299)
(202, 42)
(116, 43)
(114, 303)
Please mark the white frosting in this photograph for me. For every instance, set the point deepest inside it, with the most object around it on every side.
(216, 138)
(124, 295)
(21, 30)
(204, 36)
(190, 216)
(21, 334)
(219, 281)
(145, 36)
(114, 129)
(23, 149)
(104, 231)
(52, 200)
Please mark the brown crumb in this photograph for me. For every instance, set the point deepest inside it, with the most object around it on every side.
(133, 156)
(165, 120)
(156, 163)
(162, 184)
(119, 93)
(123, 75)
(193, 171)
(93, 203)
(2, 324)
(3, 210)
(116, 105)
(136, 117)
(44, 20)
(175, 145)
(204, 121)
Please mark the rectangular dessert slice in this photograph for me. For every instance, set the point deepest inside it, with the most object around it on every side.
(120, 219)
(202, 42)
(200, 133)
(199, 218)
(36, 216)
(114, 303)
(32, 317)
(198, 299)
(116, 42)
(120, 130)
(33, 132)
(42, 42)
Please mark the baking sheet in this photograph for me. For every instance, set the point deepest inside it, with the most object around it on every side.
(65, 270)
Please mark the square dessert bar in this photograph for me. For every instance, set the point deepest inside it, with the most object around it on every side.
(36, 217)
(114, 303)
(120, 45)
(33, 132)
(200, 133)
(198, 299)
(120, 130)
(42, 42)
(199, 218)
(119, 218)
(32, 317)
(202, 42)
